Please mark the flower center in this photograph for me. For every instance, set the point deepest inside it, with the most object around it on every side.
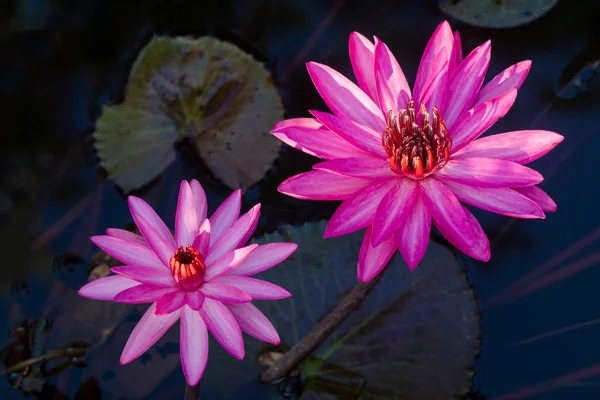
(416, 150)
(187, 267)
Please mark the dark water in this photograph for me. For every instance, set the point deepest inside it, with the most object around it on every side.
(62, 60)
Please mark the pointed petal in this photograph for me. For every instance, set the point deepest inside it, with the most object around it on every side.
(504, 201)
(413, 236)
(435, 91)
(195, 300)
(387, 102)
(199, 200)
(254, 322)
(321, 143)
(321, 185)
(511, 78)
(128, 252)
(371, 260)
(358, 211)
(227, 213)
(364, 167)
(142, 294)
(186, 216)
(232, 237)
(106, 288)
(393, 210)
(466, 81)
(126, 236)
(146, 333)
(193, 346)
(387, 67)
(489, 173)
(480, 250)
(361, 56)
(539, 196)
(202, 240)
(222, 324)
(519, 146)
(310, 123)
(264, 257)
(258, 289)
(457, 54)
(170, 302)
(477, 120)
(148, 275)
(224, 293)
(344, 98)
(228, 261)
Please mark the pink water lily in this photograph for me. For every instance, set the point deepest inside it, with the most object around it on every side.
(401, 159)
(201, 277)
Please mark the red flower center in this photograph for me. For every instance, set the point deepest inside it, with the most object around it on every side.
(416, 150)
(187, 267)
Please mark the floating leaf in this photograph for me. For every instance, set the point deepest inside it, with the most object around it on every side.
(496, 13)
(577, 76)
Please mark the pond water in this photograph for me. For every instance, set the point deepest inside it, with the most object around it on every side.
(63, 60)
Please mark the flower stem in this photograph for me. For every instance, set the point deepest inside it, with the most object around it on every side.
(192, 392)
(320, 331)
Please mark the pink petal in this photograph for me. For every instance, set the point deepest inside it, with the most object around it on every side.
(199, 200)
(361, 56)
(435, 91)
(264, 257)
(343, 97)
(387, 67)
(202, 240)
(539, 196)
(504, 201)
(194, 300)
(258, 289)
(310, 123)
(250, 230)
(193, 346)
(254, 322)
(151, 227)
(106, 288)
(128, 252)
(228, 261)
(222, 324)
(365, 167)
(520, 146)
(466, 81)
(393, 210)
(358, 211)
(489, 173)
(170, 302)
(447, 212)
(321, 185)
(511, 78)
(481, 246)
(232, 237)
(227, 213)
(387, 102)
(371, 260)
(476, 121)
(142, 294)
(148, 275)
(413, 236)
(127, 236)
(146, 333)
(321, 143)
(457, 54)
(186, 216)
(225, 293)
(359, 136)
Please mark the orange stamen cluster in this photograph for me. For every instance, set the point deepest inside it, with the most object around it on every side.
(188, 267)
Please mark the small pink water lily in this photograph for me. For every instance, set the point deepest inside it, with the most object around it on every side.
(200, 277)
(401, 158)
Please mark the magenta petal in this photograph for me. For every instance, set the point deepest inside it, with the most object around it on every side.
(476, 121)
(186, 216)
(225, 293)
(435, 91)
(106, 288)
(519, 146)
(504, 201)
(264, 257)
(371, 260)
(388, 69)
(489, 173)
(170, 302)
(358, 211)
(228, 261)
(539, 196)
(466, 81)
(258, 289)
(310, 123)
(146, 333)
(222, 324)
(199, 200)
(511, 78)
(362, 53)
(393, 210)
(126, 236)
(359, 136)
(446, 211)
(193, 346)
(194, 300)
(232, 237)
(365, 167)
(344, 98)
(142, 294)
(254, 322)
(481, 245)
(387, 102)
(457, 54)
(227, 213)
(202, 240)
(321, 143)
(321, 185)
(128, 252)
(413, 236)
(148, 275)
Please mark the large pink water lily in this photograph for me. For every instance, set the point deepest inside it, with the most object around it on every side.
(401, 158)
(201, 277)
